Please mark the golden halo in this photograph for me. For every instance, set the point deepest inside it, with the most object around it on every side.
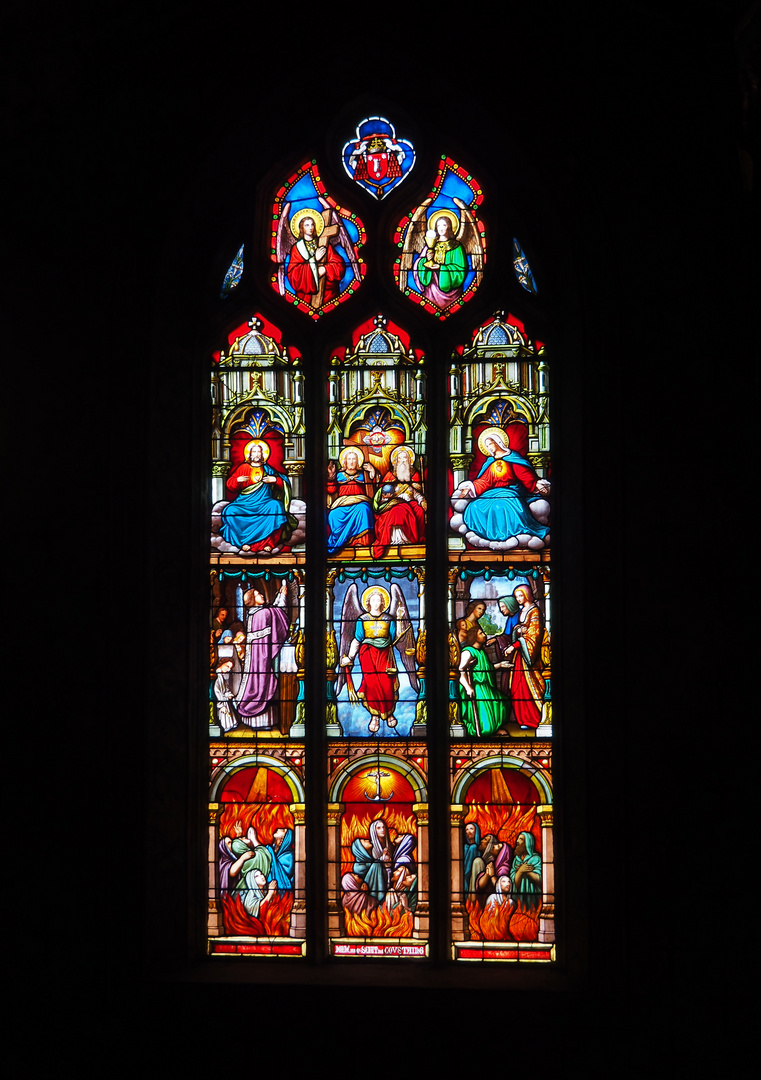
(453, 219)
(256, 442)
(356, 450)
(489, 433)
(315, 215)
(367, 594)
(397, 451)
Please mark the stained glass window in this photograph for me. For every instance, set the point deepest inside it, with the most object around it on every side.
(376, 159)
(315, 245)
(500, 666)
(376, 712)
(256, 698)
(405, 622)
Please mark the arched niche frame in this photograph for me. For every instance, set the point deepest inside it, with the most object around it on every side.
(540, 782)
(294, 780)
(338, 781)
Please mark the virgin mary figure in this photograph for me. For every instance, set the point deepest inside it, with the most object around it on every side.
(504, 496)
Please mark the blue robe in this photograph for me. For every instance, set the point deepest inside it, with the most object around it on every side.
(353, 518)
(282, 862)
(529, 893)
(257, 514)
(502, 511)
(470, 851)
(376, 873)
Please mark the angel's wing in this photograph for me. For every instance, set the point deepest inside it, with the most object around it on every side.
(405, 635)
(350, 612)
(283, 244)
(414, 242)
(470, 238)
(343, 237)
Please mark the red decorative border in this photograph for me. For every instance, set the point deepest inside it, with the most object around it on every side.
(445, 165)
(281, 196)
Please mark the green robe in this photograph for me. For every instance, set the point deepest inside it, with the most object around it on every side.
(250, 893)
(454, 267)
(487, 711)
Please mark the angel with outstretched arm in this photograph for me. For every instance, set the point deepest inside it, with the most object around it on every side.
(371, 628)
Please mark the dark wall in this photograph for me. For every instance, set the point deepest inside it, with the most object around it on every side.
(621, 142)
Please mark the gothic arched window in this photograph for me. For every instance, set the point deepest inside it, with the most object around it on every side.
(380, 716)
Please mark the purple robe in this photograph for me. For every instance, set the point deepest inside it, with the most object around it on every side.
(355, 899)
(503, 860)
(266, 632)
(226, 859)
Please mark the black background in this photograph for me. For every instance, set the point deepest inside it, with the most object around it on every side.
(624, 138)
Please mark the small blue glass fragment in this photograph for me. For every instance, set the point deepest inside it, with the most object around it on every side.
(522, 269)
(233, 275)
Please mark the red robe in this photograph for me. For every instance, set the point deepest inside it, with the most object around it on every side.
(380, 683)
(527, 683)
(302, 277)
(407, 516)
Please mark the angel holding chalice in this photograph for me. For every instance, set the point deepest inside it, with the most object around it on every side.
(371, 628)
(442, 249)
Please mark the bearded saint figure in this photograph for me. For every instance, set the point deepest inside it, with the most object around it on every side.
(527, 684)
(399, 504)
(266, 633)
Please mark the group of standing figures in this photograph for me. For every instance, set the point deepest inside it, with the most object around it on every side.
(374, 509)
(511, 688)
(251, 660)
(500, 882)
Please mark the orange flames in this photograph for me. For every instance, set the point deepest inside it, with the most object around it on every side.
(524, 925)
(275, 916)
(380, 923)
(265, 817)
(505, 821)
(274, 920)
(503, 922)
(398, 823)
